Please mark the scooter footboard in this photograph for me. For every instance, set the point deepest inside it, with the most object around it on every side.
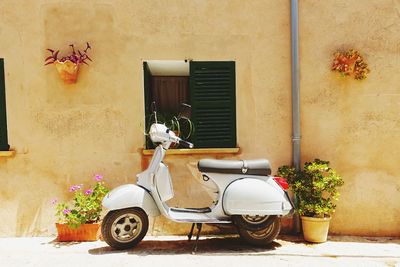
(255, 197)
(129, 196)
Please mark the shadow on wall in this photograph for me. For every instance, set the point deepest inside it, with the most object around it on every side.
(21, 201)
(28, 219)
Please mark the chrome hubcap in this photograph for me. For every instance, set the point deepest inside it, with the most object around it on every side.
(126, 227)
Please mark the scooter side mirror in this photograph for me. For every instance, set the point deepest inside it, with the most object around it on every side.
(153, 107)
(154, 110)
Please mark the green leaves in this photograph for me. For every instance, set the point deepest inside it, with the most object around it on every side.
(86, 206)
(315, 187)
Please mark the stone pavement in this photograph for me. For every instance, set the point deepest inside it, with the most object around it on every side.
(212, 251)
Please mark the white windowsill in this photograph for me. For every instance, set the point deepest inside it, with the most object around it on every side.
(9, 153)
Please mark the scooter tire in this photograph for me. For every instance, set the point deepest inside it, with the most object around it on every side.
(240, 221)
(261, 237)
(109, 229)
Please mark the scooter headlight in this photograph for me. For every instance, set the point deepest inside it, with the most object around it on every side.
(158, 133)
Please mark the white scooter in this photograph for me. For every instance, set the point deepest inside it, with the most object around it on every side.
(247, 195)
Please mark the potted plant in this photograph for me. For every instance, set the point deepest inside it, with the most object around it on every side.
(79, 220)
(350, 63)
(315, 189)
(68, 66)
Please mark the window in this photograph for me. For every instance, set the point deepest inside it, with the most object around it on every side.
(208, 86)
(3, 117)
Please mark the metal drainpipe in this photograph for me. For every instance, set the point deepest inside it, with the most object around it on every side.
(294, 8)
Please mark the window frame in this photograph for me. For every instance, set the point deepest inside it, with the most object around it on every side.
(232, 99)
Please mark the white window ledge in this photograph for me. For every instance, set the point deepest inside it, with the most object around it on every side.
(193, 151)
(10, 153)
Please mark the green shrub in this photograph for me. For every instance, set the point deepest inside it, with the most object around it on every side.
(315, 188)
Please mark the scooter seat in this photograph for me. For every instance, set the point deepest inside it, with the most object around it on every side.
(251, 167)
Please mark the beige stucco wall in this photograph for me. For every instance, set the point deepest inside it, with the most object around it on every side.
(64, 134)
(354, 124)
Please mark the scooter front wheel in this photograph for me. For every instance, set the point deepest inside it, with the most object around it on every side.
(125, 228)
(263, 236)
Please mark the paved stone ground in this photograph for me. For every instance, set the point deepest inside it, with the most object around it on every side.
(212, 251)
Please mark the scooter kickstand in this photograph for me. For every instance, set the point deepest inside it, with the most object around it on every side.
(199, 226)
(191, 232)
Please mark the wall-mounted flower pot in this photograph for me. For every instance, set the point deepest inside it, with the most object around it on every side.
(350, 63)
(85, 232)
(68, 71)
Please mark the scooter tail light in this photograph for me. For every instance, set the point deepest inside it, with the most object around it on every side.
(281, 182)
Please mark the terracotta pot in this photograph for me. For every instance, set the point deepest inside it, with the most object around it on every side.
(85, 232)
(315, 229)
(68, 71)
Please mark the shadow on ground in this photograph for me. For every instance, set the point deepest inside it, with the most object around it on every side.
(215, 246)
(55, 243)
(332, 238)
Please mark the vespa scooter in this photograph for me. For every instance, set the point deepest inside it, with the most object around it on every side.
(247, 196)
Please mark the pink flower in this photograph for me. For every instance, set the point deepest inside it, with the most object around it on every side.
(66, 211)
(54, 201)
(98, 177)
(88, 192)
(74, 188)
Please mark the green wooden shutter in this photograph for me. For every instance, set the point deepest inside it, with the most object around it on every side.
(212, 92)
(3, 116)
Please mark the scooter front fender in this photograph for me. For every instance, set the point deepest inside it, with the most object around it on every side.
(129, 196)
(255, 197)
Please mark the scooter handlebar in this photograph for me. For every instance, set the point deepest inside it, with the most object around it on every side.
(185, 143)
(175, 139)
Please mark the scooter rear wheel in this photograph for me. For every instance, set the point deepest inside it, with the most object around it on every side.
(125, 228)
(261, 237)
(253, 223)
